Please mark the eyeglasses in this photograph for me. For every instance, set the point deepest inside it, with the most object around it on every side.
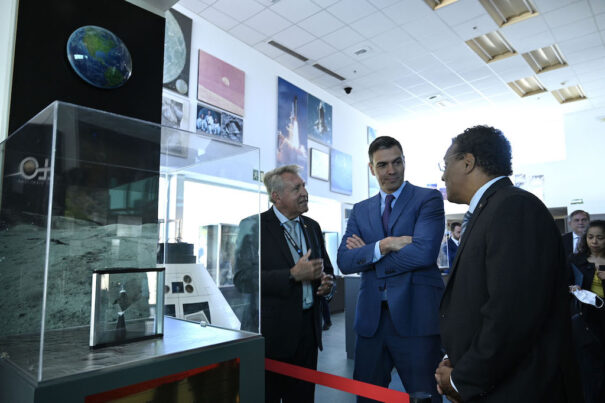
(443, 167)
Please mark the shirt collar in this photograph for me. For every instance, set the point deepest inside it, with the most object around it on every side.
(479, 193)
(396, 193)
(282, 218)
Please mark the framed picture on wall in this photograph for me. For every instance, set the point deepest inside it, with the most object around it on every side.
(373, 187)
(320, 165)
(292, 126)
(175, 112)
(220, 84)
(341, 172)
(177, 47)
(371, 134)
(319, 120)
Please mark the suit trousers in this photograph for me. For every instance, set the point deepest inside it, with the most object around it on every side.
(415, 359)
(290, 390)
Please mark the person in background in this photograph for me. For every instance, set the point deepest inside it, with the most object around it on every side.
(578, 222)
(588, 267)
(453, 241)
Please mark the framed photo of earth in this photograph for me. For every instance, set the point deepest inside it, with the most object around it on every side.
(220, 84)
(177, 48)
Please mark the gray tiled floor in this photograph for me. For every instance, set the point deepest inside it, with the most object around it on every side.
(333, 360)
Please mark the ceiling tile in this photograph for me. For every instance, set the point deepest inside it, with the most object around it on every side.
(391, 39)
(408, 50)
(289, 61)
(600, 19)
(370, 51)
(544, 6)
(343, 38)
(295, 10)
(218, 18)
(577, 44)
(351, 10)
(575, 29)
(268, 50)
(590, 66)
(461, 11)
(336, 61)
(424, 27)
(516, 63)
(238, 9)
(475, 27)
(405, 11)
(558, 78)
(441, 77)
(308, 71)
(427, 61)
(585, 55)
(525, 28)
(373, 25)
(476, 74)
(598, 6)
(321, 23)
(568, 14)
(193, 5)
(423, 90)
(267, 22)
(293, 37)
(246, 34)
(380, 4)
(315, 50)
(409, 80)
(531, 42)
(459, 89)
(324, 3)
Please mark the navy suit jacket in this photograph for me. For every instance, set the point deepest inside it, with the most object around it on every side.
(411, 276)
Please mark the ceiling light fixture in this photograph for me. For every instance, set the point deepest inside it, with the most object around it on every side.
(287, 50)
(507, 12)
(491, 47)
(526, 87)
(569, 94)
(545, 59)
(436, 4)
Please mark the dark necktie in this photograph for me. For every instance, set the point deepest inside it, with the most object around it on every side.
(465, 220)
(387, 213)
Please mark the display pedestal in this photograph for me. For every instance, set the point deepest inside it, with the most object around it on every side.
(186, 353)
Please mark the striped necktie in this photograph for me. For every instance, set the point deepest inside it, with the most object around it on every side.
(465, 220)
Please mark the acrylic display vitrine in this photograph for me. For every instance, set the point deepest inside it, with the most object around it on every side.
(84, 191)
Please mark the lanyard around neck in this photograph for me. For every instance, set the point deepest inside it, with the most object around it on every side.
(291, 240)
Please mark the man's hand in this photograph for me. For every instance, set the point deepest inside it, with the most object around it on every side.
(443, 376)
(326, 284)
(306, 270)
(354, 242)
(394, 243)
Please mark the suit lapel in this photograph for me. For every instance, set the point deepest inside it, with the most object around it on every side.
(476, 214)
(275, 232)
(374, 216)
(406, 195)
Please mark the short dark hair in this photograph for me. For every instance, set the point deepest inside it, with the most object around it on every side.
(454, 225)
(490, 148)
(575, 212)
(583, 244)
(381, 143)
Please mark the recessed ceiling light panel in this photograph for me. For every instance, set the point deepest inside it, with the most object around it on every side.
(527, 86)
(437, 4)
(569, 94)
(545, 59)
(507, 12)
(491, 47)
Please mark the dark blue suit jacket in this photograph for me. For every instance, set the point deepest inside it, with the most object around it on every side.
(451, 251)
(413, 282)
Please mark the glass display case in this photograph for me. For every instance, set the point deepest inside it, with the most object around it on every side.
(84, 191)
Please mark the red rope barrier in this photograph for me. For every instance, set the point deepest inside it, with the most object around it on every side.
(337, 382)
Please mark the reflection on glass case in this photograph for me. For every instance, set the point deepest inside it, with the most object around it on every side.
(127, 305)
(84, 191)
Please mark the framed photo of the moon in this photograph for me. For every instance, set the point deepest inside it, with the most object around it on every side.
(220, 84)
(177, 48)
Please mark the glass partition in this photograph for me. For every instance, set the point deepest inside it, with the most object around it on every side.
(84, 191)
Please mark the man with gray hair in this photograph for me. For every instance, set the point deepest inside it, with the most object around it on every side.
(578, 221)
(295, 273)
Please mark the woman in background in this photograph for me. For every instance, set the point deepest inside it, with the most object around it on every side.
(588, 266)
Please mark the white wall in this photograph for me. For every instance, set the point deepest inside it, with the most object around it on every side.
(8, 22)
(260, 120)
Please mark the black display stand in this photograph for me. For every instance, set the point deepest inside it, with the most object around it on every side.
(73, 372)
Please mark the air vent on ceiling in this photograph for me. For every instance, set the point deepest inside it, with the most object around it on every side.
(506, 12)
(491, 47)
(569, 94)
(328, 72)
(288, 50)
(545, 59)
(527, 86)
(435, 4)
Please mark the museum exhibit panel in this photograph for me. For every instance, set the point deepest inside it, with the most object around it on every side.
(95, 238)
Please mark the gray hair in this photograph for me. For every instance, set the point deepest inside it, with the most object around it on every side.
(576, 212)
(273, 180)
